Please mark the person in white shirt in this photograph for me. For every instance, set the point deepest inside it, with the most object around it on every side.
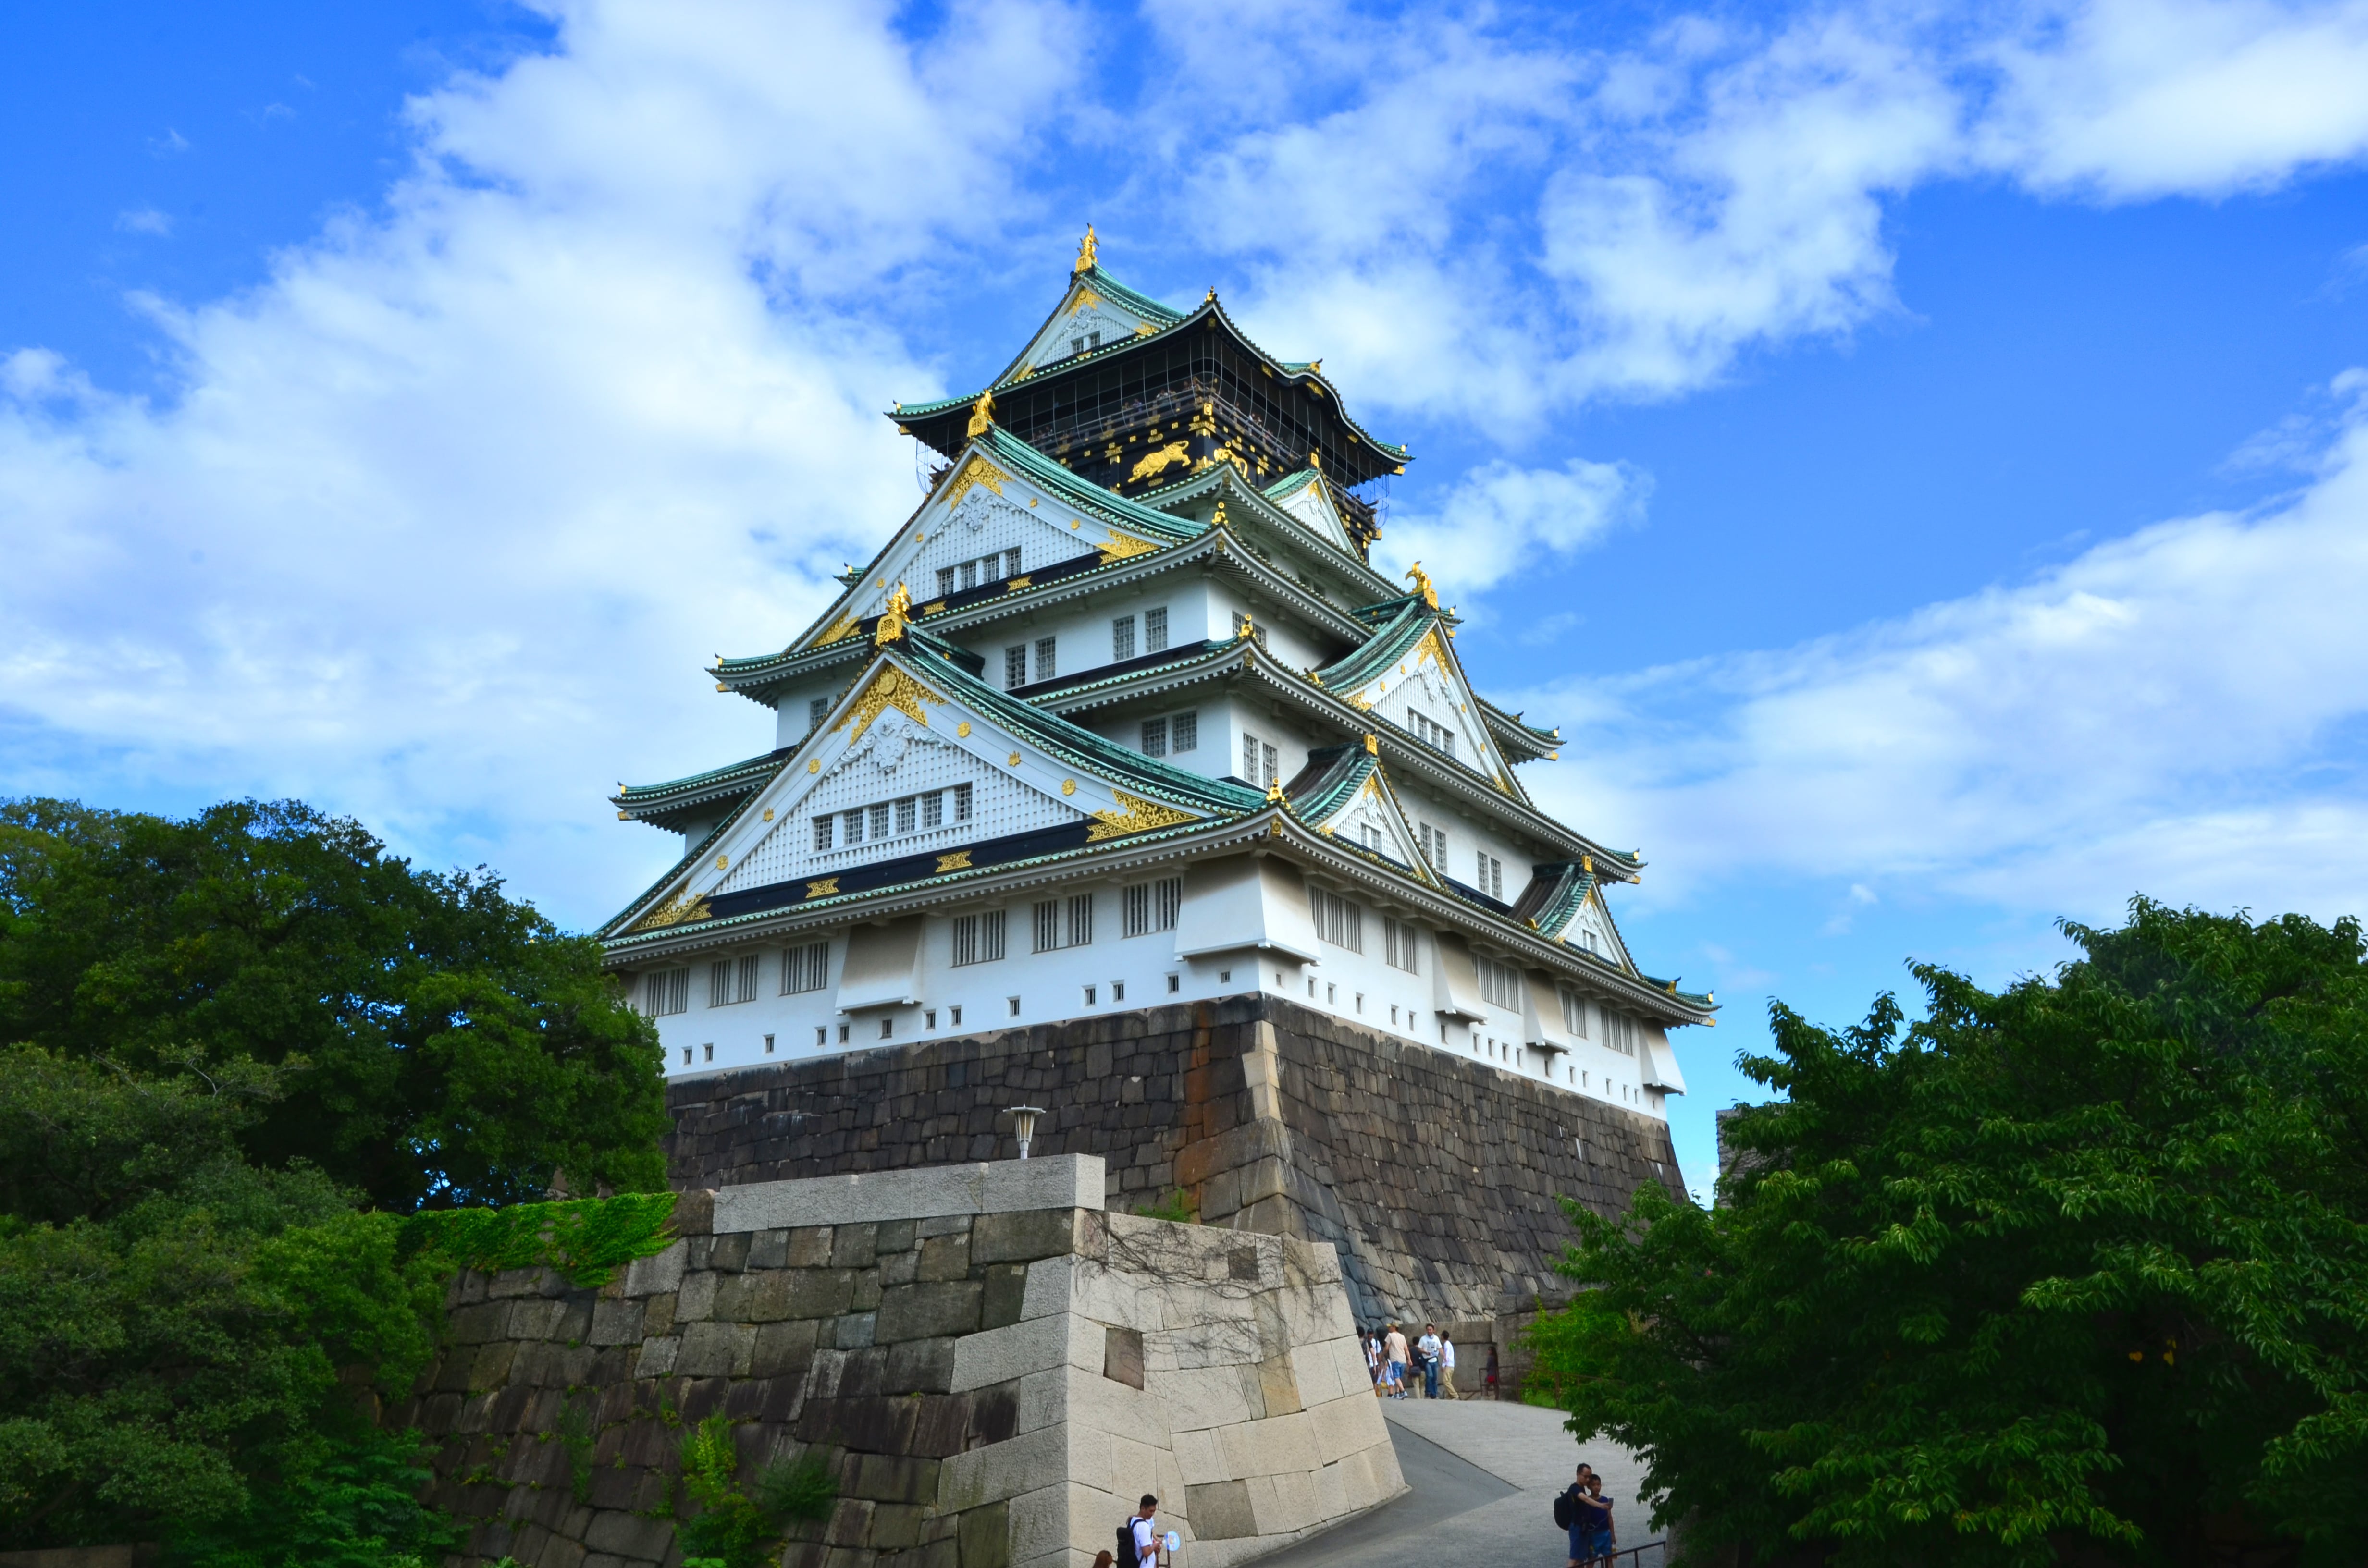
(1426, 1349)
(1446, 1367)
(1146, 1532)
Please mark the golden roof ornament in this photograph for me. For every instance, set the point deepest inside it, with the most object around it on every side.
(1422, 584)
(1373, 743)
(1274, 793)
(982, 414)
(893, 618)
(1087, 249)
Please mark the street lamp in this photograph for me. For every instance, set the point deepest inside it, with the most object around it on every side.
(1023, 1123)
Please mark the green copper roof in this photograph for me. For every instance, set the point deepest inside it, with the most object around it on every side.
(1385, 648)
(1330, 780)
(1141, 304)
(750, 771)
(1555, 894)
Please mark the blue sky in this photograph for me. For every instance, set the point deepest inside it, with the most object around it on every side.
(1917, 454)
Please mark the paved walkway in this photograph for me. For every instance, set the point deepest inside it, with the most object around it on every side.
(1483, 1475)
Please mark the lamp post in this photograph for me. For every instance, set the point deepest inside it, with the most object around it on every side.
(1023, 1123)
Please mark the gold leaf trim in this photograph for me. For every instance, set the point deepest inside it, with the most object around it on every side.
(892, 687)
(1159, 461)
(841, 629)
(1140, 816)
(1124, 546)
(825, 888)
(978, 471)
(957, 861)
(689, 906)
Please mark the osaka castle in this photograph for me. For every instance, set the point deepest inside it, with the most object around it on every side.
(1123, 716)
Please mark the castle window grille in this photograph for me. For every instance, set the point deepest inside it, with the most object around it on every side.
(665, 991)
(945, 581)
(1249, 758)
(978, 939)
(1015, 666)
(1151, 906)
(907, 811)
(1011, 562)
(746, 989)
(1121, 638)
(961, 803)
(817, 711)
(1398, 945)
(1273, 773)
(880, 820)
(1490, 876)
(1048, 925)
(1155, 737)
(805, 968)
(1184, 731)
(822, 829)
(1154, 630)
(1496, 985)
(1620, 1033)
(1337, 921)
(854, 823)
(719, 983)
(1260, 762)
(966, 576)
(1437, 737)
(1046, 666)
(1573, 1014)
(933, 809)
(1081, 919)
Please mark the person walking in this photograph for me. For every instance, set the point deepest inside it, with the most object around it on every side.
(1426, 1350)
(1371, 1339)
(1142, 1531)
(1447, 1366)
(1492, 1370)
(1394, 1347)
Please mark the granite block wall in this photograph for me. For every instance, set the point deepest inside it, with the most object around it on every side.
(1435, 1176)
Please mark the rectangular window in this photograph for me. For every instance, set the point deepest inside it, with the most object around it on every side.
(966, 576)
(1184, 733)
(978, 939)
(907, 810)
(1011, 562)
(945, 581)
(1151, 906)
(1081, 920)
(1337, 921)
(1045, 665)
(1048, 925)
(1121, 638)
(665, 991)
(817, 711)
(1620, 1033)
(1490, 878)
(1497, 982)
(1155, 737)
(1273, 773)
(719, 983)
(1249, 758)
(805, 968)
(990, 567)
(853, 824)
(822, 825)
(933, 809)
(961, 803)
(1015, 666)
(1573, 1014)
(1399, 947)
(1155, 630)
(880, 820)
(746, 990)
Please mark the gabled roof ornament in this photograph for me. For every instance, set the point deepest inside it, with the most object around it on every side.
(1274, 794)
(1422, 584)
(1087, 249)
(893, 618)
(982, 414)
(1373, 743)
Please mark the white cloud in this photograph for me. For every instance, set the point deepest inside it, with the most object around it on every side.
(143, 221)
(1499, 520)
(2163, 714)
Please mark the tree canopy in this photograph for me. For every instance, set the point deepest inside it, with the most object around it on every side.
(2077, 1269)
(431, 1040)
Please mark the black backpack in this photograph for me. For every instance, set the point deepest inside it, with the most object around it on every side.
(1126, 1543)
(1565, 1511)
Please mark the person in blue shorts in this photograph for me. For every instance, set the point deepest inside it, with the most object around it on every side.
(1595, 1516)
(1582, 1518)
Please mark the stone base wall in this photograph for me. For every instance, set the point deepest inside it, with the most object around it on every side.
(993, 1367)
(1435, 1176)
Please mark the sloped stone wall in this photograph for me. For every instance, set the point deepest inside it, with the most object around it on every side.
(993, 1381)
(1436, 1176)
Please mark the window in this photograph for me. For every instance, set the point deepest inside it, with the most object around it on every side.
(1048, 925)
(1490, 876)
(1121, 638)
(1175, 983)
(1436, 737)
(1155, 737)
(961, 803)
(686, 1056)
(665, 991)
(822, 829)
(1573, 1014)
(933, 809)
(1398, 945)
(1337, 921)
(888, 1028)
(966, 576)
(822, 1035)
(769, 1045)
(805, 968)
(1081, 919)
(1370, 836)
(853, 821)
(722, 988)
(1010, 562)
(1155, 630)
(1151, 906)
(955, 1014)
(1091, 992)
(817, 711)
(1249, 758)
(1015, 666)
(1497, 983)
(908, 813)
(1260, 761)
(1434, 846)
(1620, 1033)
(1014, 1002)
(945, 581)
(1184, 731)
(747, 989)
(978, 939)
(1117, 989)
(1045, 667)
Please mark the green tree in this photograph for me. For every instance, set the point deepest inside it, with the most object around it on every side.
(432, 1041)
(2080, 1266)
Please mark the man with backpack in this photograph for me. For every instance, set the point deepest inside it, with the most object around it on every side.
(1576, 1511)
(1138, 1538)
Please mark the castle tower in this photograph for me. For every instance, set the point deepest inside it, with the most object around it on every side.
(1122, 724)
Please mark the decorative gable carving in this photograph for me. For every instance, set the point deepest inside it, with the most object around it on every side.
(1086, 321)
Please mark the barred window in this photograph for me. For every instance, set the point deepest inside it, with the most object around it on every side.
(1490, 876)
(1155, 737)
(1011, 561)
(907, 806)
(805, 968)
(746, 990)
(1260, 762)
(1046, 668)
(967, 575)
(1014, 665)
(961, 803)
(822, 825)
(1398, 945)
(1573, 1014)
(880, 820)
(1434, 846)
(1048, 925)
(817, 711)
(978, 939)
(1151, 906)
(1620, 1033)
(665, 991)
(945, 581)
(719, 983)
(854, 820)
(933, 809)
(1155, 630)
(1249, 758)
(1337, 921)
(1121, 638)
(1497, 983)
(1436, 736)
(1184, 731)
(1081, 919)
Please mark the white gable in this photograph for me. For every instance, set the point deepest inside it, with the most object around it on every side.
(1313, 510)
(1086, 320)
(1421, 683)
(1591, 931)
(1372, 819)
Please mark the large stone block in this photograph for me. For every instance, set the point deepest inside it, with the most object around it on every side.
(1221, 1510)
(1071, 1181)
